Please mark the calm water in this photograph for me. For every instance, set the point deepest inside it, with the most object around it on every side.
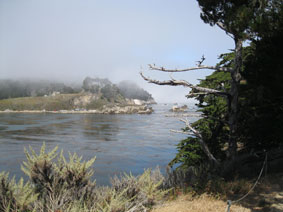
(121, 143)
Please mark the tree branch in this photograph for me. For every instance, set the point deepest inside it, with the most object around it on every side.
(221, 26)
(184, 83)
(224, 28)
(179, 115)
(216, 68)
(195, 94)
(182, 132)
(201, 141)
(191, 115)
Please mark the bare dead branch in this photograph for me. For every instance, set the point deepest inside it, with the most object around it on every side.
(200, 61)
(199, 67)
(181, 115)
(188, 125)
(221, 26)
(193, 115)
(201, 141)
(184, 83)
(195, 94)
(182, 132)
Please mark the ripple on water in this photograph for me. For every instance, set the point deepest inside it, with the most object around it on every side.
(121, 143)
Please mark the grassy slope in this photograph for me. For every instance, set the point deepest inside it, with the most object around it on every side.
(55, 103)
(58, 102)
(266, 196)
(203, 203)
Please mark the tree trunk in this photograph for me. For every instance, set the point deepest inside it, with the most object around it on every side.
(233, 101)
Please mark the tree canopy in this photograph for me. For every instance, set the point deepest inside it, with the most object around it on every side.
(241, 101)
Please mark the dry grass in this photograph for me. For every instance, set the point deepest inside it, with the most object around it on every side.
(267, 196)
(203, 203)
(55, 103)
(58, 102)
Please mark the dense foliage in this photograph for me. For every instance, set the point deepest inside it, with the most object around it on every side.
(260, 100)
(131, 90)
(213, 126)
(95, 84)
(126, 89)
(261, 114)
(16, 88)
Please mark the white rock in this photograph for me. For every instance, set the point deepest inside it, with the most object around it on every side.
(138, 102)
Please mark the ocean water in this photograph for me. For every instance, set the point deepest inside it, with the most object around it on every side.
(121, 143)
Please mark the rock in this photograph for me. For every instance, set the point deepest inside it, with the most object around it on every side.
(138, 102)
(147, 111)
(107, 109)
(176, 108)
(151, 102)
(127, 110)
(63, 111)
(55, 93)
(84, 100)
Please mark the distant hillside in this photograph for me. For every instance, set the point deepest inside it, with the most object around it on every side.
(17, 88)
(50, 103)
(94, 94)
(127, 89)
(83, 102)
(101, 87)
(131, 90)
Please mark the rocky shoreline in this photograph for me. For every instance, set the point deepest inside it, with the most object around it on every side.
(132, 109)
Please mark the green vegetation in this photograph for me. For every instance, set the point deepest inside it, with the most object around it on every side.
(94, 94)
(213, 127)
(50, 103)
(256, 111)
(241, 101)
(62, 102)
(58, 184)
(17, 88)
(97, 104)
(242, 120)
(132, 91)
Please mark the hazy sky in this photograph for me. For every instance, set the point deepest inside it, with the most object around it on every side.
(67, 40)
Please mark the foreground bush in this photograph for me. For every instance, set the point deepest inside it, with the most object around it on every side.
(58, 184)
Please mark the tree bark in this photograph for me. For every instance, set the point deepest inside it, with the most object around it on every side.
(233, 100)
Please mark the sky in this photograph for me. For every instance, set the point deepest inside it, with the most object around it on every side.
(67, 40)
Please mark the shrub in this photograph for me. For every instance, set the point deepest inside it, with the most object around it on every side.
(58, 184)
(145, 189)
(15, 196)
